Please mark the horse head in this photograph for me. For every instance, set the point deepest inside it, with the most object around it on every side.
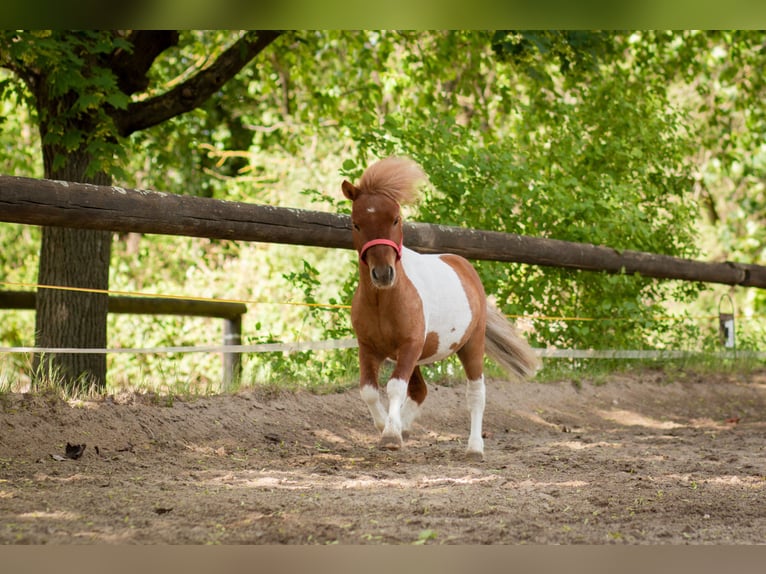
(377, 234)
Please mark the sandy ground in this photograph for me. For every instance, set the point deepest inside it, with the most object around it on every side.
(637, 459)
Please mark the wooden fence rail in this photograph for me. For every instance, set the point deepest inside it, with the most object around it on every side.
(65, 204)
(230, 312)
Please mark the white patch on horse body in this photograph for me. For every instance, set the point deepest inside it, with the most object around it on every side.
(445, 305)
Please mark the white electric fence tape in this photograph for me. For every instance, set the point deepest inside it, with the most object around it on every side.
(257, 348)
(333, 344)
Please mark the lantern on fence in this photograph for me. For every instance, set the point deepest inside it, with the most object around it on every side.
(726, 324)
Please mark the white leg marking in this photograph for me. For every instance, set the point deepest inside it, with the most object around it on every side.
(371, 396)
(410, 412)
(476, 399)
(392, 433)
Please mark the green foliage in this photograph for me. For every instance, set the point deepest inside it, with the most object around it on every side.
(182, 155)
(337, 325)
(531, 51)
(19, 140)
(715, 75)
(18, 264)
(601, 137)
(330, 319)
(603, 162)
(72, 99)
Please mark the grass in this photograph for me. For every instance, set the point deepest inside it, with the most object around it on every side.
(337, 371)
(44, 379)
(599, 371)
(320, 373)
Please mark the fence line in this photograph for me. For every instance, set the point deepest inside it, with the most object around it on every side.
(337, 344)
(120, 294)
(158, 296)
(86, 206)
(326, 345)
(230, 312)
(232, 349)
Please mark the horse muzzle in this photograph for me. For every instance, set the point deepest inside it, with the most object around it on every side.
(382, 273)
(383, 276)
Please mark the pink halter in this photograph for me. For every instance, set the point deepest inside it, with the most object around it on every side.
(397, 247)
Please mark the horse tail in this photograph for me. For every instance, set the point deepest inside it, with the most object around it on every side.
(505, 346)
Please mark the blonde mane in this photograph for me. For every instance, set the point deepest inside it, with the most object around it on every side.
(394, 177)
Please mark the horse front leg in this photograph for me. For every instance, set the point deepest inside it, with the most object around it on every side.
(369, 366)
(396, 389)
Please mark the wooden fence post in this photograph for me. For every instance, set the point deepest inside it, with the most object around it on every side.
(232, 362)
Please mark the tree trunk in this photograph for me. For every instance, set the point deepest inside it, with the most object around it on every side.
(72, 319)
(73, 258)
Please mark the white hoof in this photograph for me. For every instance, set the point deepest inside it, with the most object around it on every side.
(474, 455)
(475, 450)
(390, 442)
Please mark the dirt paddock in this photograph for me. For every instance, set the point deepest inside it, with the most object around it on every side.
(636, 459)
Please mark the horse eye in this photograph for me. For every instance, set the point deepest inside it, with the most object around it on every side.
(397, 220)
(356, 227)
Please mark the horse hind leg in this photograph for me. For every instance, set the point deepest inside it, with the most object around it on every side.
(472, 358)
(476, 399)
(371, 396)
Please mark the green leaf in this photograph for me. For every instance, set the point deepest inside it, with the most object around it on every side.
(118, 100)
(72, 139)
(425, 536)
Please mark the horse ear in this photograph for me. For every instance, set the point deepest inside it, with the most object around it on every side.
(350, 190)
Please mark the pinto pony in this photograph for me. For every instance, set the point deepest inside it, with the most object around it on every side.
(416, 309)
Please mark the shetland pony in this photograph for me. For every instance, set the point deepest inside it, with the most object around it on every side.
(416, 309)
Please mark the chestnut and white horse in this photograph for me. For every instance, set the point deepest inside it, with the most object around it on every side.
(416, 309)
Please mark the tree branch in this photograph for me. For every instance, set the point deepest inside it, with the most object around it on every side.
(196, 90)
(131, 67)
